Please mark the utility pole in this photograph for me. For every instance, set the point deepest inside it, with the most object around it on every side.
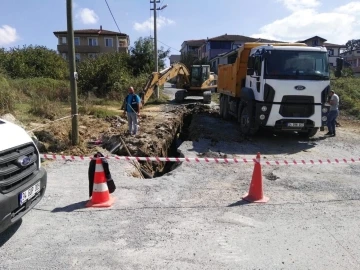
(155, 46)
(73, 74)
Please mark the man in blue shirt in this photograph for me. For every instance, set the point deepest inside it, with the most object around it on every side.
(132, 106)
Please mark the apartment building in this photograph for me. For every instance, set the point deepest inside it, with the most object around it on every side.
(353, 59)
(334, 50)
(91, 42)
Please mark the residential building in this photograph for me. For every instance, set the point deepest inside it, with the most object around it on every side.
(174, 58)
(191, 46)
(223, 50)
(334, 50)
(353, 58)
(91, 42)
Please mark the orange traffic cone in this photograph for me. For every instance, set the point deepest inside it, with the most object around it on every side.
(256, 192)
(100, 195)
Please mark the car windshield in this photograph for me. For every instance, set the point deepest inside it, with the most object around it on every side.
(301, 65)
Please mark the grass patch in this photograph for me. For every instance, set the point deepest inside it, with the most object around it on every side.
(348, 90)
(42, 107)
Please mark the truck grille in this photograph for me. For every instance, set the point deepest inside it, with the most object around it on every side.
(12, 173)
(297, 106)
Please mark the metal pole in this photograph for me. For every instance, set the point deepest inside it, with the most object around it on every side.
(72, 68)
(156, 58)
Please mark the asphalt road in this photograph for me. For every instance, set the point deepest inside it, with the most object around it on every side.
(194, 218)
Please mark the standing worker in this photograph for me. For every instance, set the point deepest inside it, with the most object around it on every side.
(333, 113)
(132, 104)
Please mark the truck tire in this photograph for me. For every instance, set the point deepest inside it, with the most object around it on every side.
(180, 96)
(310, 133)
(207, 97)
(226, 114)
(246, 122)
(221, 105)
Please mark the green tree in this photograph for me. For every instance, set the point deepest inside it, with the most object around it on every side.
(33, 61)
(104, 73)
(142, 56)
(352, 44)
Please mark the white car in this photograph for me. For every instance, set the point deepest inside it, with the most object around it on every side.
(22, 179)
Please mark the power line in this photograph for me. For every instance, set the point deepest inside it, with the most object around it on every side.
(112, 15)
(169, 46)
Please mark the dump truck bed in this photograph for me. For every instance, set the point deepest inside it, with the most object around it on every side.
(231, 77)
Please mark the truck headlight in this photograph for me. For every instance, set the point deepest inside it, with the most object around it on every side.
(264, 108)
(262, 117)
(324, 110)
(324, 118)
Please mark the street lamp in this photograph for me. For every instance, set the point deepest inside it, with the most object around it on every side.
(155, 41)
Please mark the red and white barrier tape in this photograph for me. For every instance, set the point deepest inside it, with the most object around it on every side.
(211, 160)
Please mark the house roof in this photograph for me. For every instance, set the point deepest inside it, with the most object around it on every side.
(175, 58)
(304, 41)
(194, 42)
(93, 32)
(227, 37)
(334, 45)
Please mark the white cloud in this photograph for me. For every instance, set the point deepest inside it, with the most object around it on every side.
(87, 16)
(8, 35)
(300, 4)
(149, 24)
(337, 26)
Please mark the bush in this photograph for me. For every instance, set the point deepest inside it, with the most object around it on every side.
(348, 90)
(7, 97)
(33, 61)
(53, 90)
(42, 107)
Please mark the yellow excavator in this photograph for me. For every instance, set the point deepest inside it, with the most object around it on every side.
(198, 82)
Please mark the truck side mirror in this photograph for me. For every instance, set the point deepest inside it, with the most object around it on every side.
(250, 71)
(251, 62)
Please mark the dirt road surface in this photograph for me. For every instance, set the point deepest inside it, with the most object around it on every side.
(193, 217)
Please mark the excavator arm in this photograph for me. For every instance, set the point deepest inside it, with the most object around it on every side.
(161, 77)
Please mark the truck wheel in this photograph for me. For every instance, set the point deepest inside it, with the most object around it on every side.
(207, 97)
(310, 133)
(180, 96)
(221, 105)
(246, 122)
(226, 114)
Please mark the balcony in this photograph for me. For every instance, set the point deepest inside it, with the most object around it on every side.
(63, 48)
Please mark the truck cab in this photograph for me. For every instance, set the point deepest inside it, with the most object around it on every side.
(290, 86)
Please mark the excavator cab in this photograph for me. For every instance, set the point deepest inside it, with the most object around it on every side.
(199, 74)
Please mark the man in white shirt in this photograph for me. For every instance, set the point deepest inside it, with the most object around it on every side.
(333, 113)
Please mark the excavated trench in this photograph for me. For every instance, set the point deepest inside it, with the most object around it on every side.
(160, 136)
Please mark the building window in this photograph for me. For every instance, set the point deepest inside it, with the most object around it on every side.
(315, 42)
(63, 40)
(331, 52)
(108, 42)
(64, 55)
(93, 42)
(77, 57)
(92, 55)
(77, 41)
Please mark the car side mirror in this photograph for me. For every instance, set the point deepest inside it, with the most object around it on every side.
(250, 71)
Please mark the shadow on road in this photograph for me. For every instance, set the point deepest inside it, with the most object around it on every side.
(8, 233)
(70, 207)
(239, 203)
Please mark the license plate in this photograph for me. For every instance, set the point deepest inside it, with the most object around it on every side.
(29, 193)
(295, 124)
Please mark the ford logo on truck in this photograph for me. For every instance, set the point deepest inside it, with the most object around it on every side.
(23, 161)
(300, 87)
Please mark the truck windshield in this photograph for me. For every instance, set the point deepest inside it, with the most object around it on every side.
(298, 65)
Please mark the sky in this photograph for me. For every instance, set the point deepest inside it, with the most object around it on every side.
(26, 22)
